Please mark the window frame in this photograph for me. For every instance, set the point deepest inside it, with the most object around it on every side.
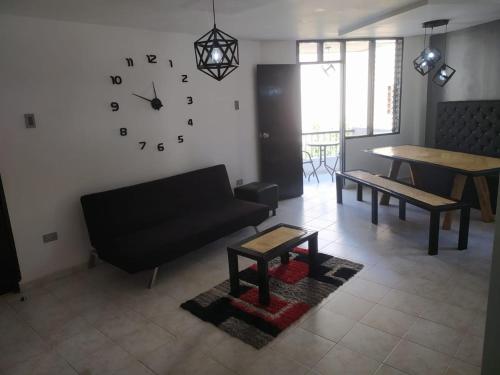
(371, 78)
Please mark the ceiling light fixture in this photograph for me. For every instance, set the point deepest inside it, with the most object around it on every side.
(445, 72)
(429, 57)
(216, 52)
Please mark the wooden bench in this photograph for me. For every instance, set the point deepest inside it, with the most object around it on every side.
(408, 194)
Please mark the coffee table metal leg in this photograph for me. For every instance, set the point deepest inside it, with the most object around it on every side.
(233, 274)
(285, 258)
(263, 282)
(313, 251)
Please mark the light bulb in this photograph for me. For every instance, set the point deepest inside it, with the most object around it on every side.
(443, 73)
(216, 55)
(424, 63)
(430, 55)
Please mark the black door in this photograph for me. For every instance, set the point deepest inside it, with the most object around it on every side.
(9, 267)
(280, 133)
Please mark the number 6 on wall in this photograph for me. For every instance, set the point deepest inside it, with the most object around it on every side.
(161, 147)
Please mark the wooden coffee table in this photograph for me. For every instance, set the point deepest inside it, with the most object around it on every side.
(265, 246)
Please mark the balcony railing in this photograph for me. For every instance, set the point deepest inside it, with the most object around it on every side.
(330, 137)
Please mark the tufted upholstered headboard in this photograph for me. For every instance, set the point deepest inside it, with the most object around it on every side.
(465, 126)
(469, 126)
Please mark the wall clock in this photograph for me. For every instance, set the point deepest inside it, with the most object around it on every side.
(155, 101)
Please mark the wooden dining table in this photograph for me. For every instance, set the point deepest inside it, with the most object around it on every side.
(463, 165)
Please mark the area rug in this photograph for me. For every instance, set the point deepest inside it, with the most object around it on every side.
(293, 293)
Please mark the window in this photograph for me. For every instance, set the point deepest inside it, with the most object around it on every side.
(308, 52)
(371, 80)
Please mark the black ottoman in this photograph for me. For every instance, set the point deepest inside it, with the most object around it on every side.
(259, 192)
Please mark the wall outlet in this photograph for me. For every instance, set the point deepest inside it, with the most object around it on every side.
(29, 120)
(236, 105)
(49, 237)
(239, 182)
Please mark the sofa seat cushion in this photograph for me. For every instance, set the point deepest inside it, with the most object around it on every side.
(146, 248)
(228, 218)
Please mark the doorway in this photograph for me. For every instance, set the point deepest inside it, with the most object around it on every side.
(321, 120)
(349, 89)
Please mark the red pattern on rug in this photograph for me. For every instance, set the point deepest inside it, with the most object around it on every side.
(279, 313)
(293, 293)
(290, 273)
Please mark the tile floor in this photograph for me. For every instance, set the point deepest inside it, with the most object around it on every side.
(404, 313)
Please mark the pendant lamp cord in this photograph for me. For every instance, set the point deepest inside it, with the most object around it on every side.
(213, 9)
(445, 40)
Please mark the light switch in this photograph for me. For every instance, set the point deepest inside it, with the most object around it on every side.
(29, 120)
(49, 237)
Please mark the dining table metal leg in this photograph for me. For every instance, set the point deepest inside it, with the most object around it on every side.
(457, 192)
(393, 174)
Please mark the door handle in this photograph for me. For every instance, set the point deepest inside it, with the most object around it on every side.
(264, 135)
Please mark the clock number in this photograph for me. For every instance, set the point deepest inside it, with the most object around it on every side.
(185, 78)
(151, 59)
(180, 139)
(190, 122)
(123, 132)
(171, 63)
(161, 147)
(116, 80)
(130, 61)
(143, 145)
(190, 100)
(115, 106)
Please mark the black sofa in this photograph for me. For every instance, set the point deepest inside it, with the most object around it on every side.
(141, 227)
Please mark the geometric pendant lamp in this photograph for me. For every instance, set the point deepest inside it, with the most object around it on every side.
(216, 52)
(429, 57)
(445, 72)
(443, 75)
(427, 60)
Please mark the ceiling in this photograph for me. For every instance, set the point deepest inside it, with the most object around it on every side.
(265, 19)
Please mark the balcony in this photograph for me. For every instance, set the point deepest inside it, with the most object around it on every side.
(320, 148)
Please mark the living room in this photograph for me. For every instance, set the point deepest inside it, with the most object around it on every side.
(175, 167)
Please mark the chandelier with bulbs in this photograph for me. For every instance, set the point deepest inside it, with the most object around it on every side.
(217, 52)
(430, 57)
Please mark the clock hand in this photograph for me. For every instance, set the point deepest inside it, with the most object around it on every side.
(142, 97)
(154, 89)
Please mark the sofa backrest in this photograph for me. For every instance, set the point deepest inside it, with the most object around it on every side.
(131, 208)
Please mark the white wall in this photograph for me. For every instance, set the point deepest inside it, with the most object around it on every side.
(413, 105)
(278, 52)
(60, 72)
